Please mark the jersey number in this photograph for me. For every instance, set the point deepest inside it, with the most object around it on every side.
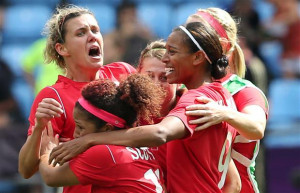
(150, 175)
(224, 167)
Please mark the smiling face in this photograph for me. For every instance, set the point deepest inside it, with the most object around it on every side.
(155, 69)
(83, 47)
(178, 59)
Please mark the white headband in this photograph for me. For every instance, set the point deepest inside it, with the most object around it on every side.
(195, 42)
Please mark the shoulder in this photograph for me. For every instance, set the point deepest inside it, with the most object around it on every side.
(251, 96)
(98, 155)
(47, 92)
(116, 71)
(235, 84)
(119, 67)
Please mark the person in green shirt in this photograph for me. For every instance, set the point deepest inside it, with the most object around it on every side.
(37, 72)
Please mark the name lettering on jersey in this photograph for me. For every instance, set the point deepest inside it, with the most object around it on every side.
(142, 153)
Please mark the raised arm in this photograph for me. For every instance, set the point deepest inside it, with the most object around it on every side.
(29, 155)
(150, 135)
(250, 122)
(54, 176)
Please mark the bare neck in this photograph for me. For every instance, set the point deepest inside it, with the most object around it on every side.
(82, 75)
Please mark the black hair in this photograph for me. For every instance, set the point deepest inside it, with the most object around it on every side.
(209, 42)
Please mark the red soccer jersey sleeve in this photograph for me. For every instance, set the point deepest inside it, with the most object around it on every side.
(60, 91)
(179, 110)
(116, 71)
(250, 96)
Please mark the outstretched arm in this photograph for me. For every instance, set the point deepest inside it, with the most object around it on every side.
(29, 155)
(250, 122)
(150, 135)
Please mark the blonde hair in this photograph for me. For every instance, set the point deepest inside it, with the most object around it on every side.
(55, 31)
(155, 49)
(230, 26)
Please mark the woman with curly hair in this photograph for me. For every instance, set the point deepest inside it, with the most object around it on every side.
(105, 107)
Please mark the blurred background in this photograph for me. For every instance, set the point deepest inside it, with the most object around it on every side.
(269, 32)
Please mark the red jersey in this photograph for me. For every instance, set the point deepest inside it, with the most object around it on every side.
(160, 152)
(112, 168)
(245, 151)
(67, 92)
(199, 163)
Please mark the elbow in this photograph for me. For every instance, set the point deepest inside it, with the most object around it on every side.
(259, 134)
(256, 133)
(238, 187)
(49, 180)
(25, 173)
(161, 136)
(235, 187)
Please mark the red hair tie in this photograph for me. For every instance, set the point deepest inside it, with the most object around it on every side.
(102, 114)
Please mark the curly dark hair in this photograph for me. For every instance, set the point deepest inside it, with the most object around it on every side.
(137, 97)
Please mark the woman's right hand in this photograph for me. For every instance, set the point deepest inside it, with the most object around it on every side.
(47, 109)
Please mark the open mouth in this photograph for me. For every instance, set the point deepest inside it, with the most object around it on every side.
(94, 52)
(169, 71)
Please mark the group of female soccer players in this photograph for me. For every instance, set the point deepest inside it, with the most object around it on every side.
(143, 131)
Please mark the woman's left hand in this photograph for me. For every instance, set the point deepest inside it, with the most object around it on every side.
(66, 151)
(48, 141)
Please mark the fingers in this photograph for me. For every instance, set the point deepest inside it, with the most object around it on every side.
(204, 99)
(60, 159)
(54, 153)
(58, 155)
(195, 107)
(198, 121)
(51, 101)
(50, 129)
(62, 139)
(49, 108)
(44, 134)
(56, 139)
(204, 126)
(196, 112)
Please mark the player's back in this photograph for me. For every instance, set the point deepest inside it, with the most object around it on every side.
(112, 168)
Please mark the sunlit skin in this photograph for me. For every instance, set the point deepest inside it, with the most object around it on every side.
(155, 69)
(182, 66)
(82, 34)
